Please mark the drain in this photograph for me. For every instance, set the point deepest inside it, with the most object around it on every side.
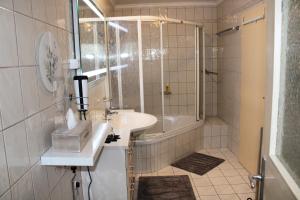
(249, 198)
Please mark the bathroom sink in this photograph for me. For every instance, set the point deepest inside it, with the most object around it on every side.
(134, 121)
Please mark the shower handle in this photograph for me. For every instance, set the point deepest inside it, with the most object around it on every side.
(210, 72)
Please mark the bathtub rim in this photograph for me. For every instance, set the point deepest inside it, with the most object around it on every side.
(169, 134)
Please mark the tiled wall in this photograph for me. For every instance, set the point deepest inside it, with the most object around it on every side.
(28, 111)
(229, 68)
(179, 65)
(215, 134)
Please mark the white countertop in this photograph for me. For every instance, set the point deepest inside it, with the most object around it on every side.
(124, 123)
(86, 157)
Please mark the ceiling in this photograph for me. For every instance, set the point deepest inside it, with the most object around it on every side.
(125, 2)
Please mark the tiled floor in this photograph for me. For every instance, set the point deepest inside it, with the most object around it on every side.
(228, 181)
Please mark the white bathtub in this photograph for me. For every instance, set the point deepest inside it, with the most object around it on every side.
(174, 125)
(154, 149)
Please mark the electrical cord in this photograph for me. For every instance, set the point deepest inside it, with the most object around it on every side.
(73, 191)
(74, 176)
(91, 181)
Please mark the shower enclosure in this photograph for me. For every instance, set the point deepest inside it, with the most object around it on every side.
(156, 66)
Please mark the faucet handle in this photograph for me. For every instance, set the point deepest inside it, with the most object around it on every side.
(107, 99)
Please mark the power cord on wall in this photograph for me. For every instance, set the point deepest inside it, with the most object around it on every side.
(91, 181)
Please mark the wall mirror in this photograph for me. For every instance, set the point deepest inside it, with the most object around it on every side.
(90, 40)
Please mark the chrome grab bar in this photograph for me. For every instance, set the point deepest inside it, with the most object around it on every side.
(210, 72)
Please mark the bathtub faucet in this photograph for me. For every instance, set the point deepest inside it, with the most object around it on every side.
(108, 112)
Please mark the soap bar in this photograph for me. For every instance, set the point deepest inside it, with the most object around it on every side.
(72, 140)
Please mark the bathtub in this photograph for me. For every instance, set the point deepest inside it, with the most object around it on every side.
(155, 149)
(174, 125)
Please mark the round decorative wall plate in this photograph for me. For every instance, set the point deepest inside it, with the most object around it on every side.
(49, 61)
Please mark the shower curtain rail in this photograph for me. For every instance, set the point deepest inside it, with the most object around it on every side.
(141, 18)
(237, 28)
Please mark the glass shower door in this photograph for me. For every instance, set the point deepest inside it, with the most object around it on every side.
(179, 70)
(152, 72)
(124, 65)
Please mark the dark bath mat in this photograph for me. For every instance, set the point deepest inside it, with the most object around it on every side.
(165, 188)
(198, 163)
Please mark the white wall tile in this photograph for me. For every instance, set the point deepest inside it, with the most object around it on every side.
(36, 143)
(54, 175)
(40, 182)
(23, 189)
(190, 13)
(39, 10)
(180, 13)
(199, 13)
(7, 4)
(29, 90)
(51, 12)
(25, 39)
(23, 6)
(16, 151)
(61, 13)
(10, 94)
(4, 183)
(8, 52)
(6, 196)
(29, 21)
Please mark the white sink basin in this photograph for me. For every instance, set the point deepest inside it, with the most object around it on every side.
(134, 121)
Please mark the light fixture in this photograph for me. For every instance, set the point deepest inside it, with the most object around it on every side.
(92, 5)
(89, 56)
(117, 26)
(103, 70)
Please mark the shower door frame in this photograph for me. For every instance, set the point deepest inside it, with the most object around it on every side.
(163, 20)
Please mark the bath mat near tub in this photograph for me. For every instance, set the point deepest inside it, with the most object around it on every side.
(165, 188)
(198, 163)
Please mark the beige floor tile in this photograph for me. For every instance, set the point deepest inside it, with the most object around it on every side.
(165, 173)
(215, 173)
(219, 181)
(196, 176)
(230, 172)
(213, 151)
(206, 191)
(241, 188)
(149, 174)
(229, 197)
(246, 179)
(224, 189)
(236, 165)
(166, 169)
(202, 182)
(225, 165)
(211, 197)
(203, 151)
(218, 155)
(228, 181)
(248, 195)
(243, 172)
(234, 180)
(195, 192)
(178, 171)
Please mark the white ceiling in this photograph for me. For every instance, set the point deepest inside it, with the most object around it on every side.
(126, 2)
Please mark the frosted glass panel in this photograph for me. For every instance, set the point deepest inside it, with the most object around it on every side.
(152, 72)
(288, 140)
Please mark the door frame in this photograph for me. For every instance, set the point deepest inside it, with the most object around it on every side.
(276, 175)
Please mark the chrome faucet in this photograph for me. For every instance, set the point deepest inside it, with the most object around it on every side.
(108, 112)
